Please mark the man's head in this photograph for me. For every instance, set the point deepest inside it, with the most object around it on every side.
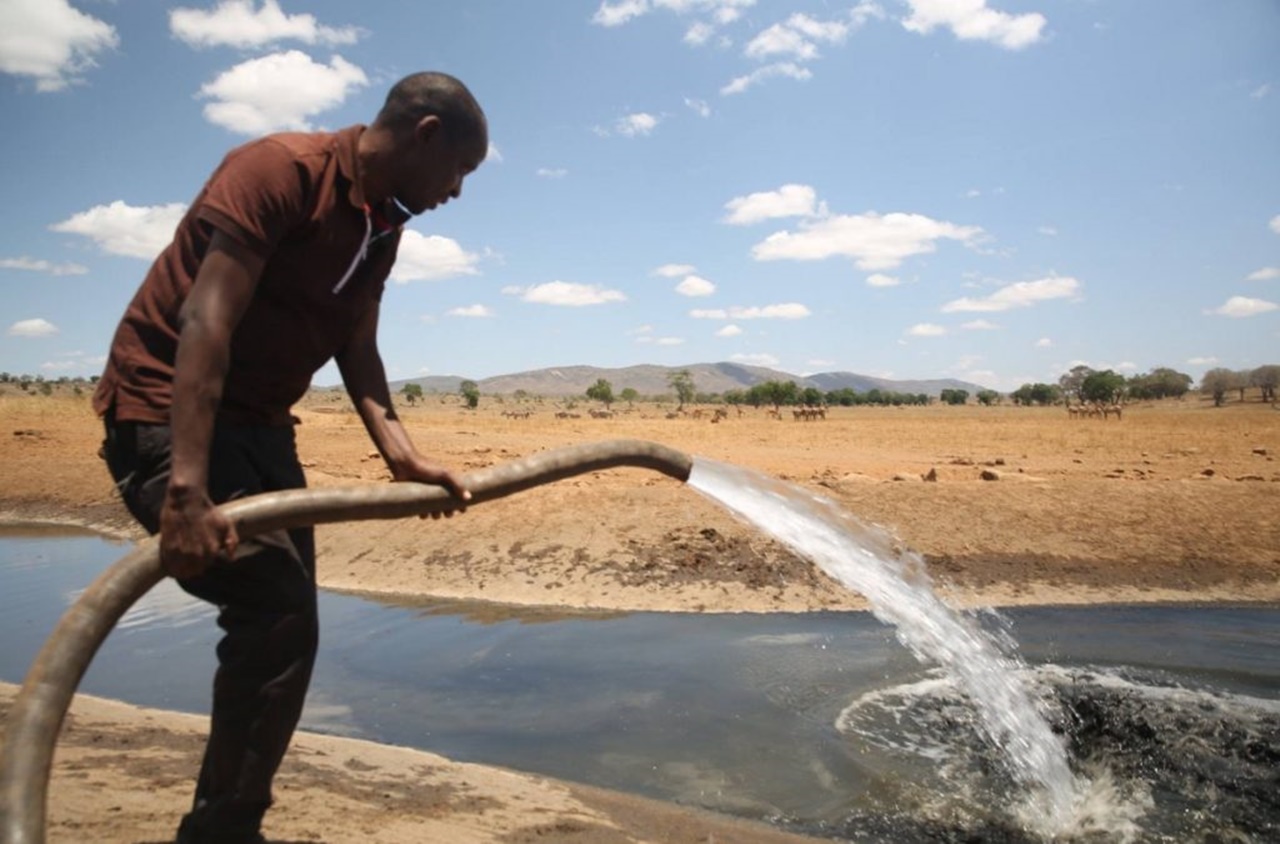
(438, 135)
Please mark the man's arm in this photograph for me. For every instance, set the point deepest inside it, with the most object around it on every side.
(366, 381)
(192, 532)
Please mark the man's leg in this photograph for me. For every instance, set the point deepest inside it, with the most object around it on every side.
(268, 610)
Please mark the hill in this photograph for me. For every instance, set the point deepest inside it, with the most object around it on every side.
(653, 380)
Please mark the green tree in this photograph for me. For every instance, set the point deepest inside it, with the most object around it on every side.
(1267, 379)
(988, 397)
(1072, 381)
(1216, 383)
(470, 391)
(951, 396)
(629, 395)
(601, 391)
(811, 397)
(1105, 386)
(682, 383)
(412, 392)
(778, 393)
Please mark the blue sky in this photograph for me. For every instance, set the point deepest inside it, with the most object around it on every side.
(992, 190)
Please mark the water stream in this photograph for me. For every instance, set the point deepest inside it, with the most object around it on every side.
(867, 560)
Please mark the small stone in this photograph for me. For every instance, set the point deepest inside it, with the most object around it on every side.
(1208, 473)
(1260, 451)
(990, 475)
(932, 475)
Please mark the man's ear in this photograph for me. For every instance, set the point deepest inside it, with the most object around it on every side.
(427, 127)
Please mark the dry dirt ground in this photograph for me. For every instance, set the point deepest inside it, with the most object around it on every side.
(1176, 501)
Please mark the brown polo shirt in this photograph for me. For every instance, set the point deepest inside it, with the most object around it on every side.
(294, 199)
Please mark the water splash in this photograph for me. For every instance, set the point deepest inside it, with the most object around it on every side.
(864, 558)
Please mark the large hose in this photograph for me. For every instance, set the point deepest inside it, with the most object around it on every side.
(35, 719)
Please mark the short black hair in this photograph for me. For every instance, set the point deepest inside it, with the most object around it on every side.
(429, 93)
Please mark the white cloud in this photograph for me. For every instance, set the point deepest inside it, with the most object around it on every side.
(51, 41)
(32, 328)
(1275, 224)
(882, 280)
(791, 70)
(1261, 91)
(787, 201)
(1022, 294)
(789, 310)
(979, 325)
(1243, 306)
(471, 311)
(729, 331)
(431, 258)
(674, 270)
(876, 242)
(236, 23)
(1264, 274)
(281, 91)
(669, 341)
(1202, 361)
(616, 14)
(971, 20)
(493, 153)
(41, 266)
(1048, 231)
(695, 286)
(972, 193)
(699, 33)
(640, 123)
(1044, 343)
(700, 107)
(756, 360)
(926, 329)
(566, 293)
(797, 38)
(548, 173)
(120, 229)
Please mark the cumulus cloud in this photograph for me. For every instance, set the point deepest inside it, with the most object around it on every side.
(787, 201)
(549, 173)
(674, 270)
(789, 310)
(1264, 274)
(1275, 224)
(699, 107)
(790, 70)
(1044, 343)
(51, 42)
(121, 229)
(493, 153)
(32, 328)
(237, 23)
(567, 294)
(797, 38)
(431, 257)
(874, 241)
(1243, 306)
(478, 311)
(1022, 294)
(616, 14)
(41, 266)
(979, 325)
(278, 92)
(972, 20)
(926, 329)
(730, 330)
(695, 286)
(882, 280)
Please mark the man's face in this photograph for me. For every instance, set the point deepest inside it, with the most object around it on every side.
(437, 166)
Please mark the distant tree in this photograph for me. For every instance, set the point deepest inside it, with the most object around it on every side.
(629, 395)
(1242, 381)
(953, 396)
(812, 397)
(988, 397)
(1160, 383)
(601, 391)
(778, 393)
(412, 392)
(1267, 379)
(1216, 383)
(1072, 381)
(1106, 387)
(470, 392)
(682, 383)
(520, 395)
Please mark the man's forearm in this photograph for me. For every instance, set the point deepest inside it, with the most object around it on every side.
(199, 374)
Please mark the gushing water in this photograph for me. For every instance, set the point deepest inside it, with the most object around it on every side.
(864, 559)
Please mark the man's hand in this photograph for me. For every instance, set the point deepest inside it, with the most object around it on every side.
(423, 471)
(193, 535)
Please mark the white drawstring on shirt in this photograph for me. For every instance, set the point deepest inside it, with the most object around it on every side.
(360, 255)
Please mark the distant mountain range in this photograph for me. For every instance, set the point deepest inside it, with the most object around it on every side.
(650, 380)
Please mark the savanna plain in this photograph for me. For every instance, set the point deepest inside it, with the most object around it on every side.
(1174, 501)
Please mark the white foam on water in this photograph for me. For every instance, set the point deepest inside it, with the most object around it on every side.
(866, 559)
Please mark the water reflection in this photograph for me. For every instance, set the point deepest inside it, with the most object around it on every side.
(820, 722)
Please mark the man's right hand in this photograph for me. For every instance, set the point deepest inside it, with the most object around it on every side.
(193, 535)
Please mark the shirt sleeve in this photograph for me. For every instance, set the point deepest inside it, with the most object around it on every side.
(258, 195)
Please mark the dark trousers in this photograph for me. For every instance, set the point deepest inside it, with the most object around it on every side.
(267, 602)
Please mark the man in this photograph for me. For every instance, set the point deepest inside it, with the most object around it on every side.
(278, 267)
